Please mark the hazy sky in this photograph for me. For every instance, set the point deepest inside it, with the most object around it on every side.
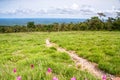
(57, 8)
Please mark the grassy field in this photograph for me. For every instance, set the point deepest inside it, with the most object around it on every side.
(101, 47)
(25, 55)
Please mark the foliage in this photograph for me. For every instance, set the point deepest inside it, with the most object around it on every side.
(30, 25)
(94, 23)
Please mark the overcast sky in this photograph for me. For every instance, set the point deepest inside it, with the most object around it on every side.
(57, 8)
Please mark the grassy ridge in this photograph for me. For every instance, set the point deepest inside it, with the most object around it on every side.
(97, 46)
(21, 50)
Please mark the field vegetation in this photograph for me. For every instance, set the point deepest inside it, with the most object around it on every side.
(101, 47)
(25, 56)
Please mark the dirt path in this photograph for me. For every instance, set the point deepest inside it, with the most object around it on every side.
(82, 63)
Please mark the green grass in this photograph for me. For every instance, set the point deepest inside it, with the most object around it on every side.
(101, 47)
(20, 50)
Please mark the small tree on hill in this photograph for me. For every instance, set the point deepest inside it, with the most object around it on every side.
(30, 25)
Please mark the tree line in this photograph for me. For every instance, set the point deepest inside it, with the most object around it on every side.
(94, 23)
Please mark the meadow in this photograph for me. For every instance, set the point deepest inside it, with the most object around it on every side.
(101, 47)
(26, 55)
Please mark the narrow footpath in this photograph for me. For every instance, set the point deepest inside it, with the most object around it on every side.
(82, 63)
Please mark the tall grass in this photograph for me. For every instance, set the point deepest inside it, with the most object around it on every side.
(18, 51)
(101, 47)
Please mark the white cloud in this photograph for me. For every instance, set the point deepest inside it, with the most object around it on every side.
(58, 7)
(73, 10)
(75, 6)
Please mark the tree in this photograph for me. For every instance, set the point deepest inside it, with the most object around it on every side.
(95, 24)
(64, 27)
(83, 26)
(118, 14)
(116, 24)
(71, 26)
(30, 25)
(2, 29)
(48, 27)
(56, 27)
(109, 24)
(101, 14)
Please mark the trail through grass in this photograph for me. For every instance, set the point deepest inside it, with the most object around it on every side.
(21, 50)
(101, 47)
